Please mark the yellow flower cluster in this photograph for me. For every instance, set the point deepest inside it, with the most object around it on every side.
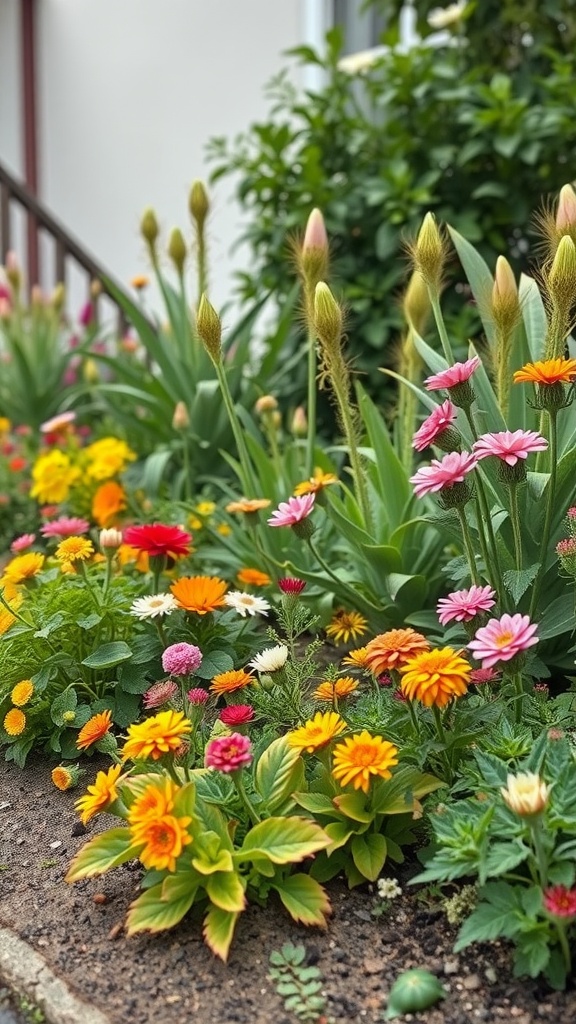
(53, 475)
(107, 458)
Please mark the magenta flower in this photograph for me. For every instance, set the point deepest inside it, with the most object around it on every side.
(510, 445)
(481, 676)
(443, 473)
(181, 659)
(65, 526)
(292, 511)
(159, 693)
(237, 714)
(86, 315)
(463, 605)
(23, 542)
(454, 375)
(291, 585)
(228, 753)
(197, 696)
(560, 901)
(436, 423)
(501, 639)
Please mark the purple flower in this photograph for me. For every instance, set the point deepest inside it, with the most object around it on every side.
(181, 659)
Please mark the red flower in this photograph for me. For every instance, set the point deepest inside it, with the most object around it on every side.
(237, 714)
(560, 901)
(158, 539)
(291, 585)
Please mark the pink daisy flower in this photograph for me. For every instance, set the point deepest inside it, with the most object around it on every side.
(459, 373)
(228, 753)
(481, 676)
(23, 542)
(463, 605)
(445, 472)
(510, 445)
(560, 901)
(436, 423)
(292, 511)
(65, 526)
(501, 639)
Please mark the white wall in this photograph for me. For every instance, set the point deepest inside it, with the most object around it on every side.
(10, 113)
(129, 91)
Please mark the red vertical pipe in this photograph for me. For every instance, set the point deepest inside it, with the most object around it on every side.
(28, 38)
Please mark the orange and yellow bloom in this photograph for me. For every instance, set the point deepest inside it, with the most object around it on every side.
(392, 649)
(547, 371)
(345, 626)
(94, 730)
(15, 722)
(22, 568)
(317, 732)
(227, 682)
(74, 549)
(316, 483)
(435, 677)
(253, 578)
(22, 693)
(164, 840)
(159, 735)
(358, 758)
(200, 594)
(100, 795)
(338, 689)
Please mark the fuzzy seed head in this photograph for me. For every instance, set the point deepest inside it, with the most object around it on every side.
(505, 306)
(177, 249)
(327, 317)
(149, 228)
(416, 302)
(198, 203)
(561, 278)
(429, 252)
(209, 329)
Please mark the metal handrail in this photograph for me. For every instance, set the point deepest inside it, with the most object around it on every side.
(66, 247)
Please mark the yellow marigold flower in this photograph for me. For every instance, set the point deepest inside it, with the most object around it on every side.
(5, 425)
(435, 677)
(66, 776)
(223, 529)
(335, 688)
(392, 649)
(227, 682)
(53, 475)
(100, 795)
(126, 554)
(248, 506)
(317, 731)
(205, 508)
(22, 693)
(316, 483)
(547, 371)
(154, 802)
(22, 568)
(7, 619)
(200, 594)
(15, 722)
(94, 730)
(526, 793)
(159, 735)
(345, 626)
(107, 457)
(253, 578)
(360, 757)
(164, 840)
(108, 502)
(356, 658)
(194, 523)
(74, 549)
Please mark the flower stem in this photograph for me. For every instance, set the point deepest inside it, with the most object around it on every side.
(247, 475)
(441, 326)
(311, 405)
(541, 860)
(444, 742)
(515, 520)
(553, 414)
(244, 798)
(519, 696)
(468, 546)
(564, 945)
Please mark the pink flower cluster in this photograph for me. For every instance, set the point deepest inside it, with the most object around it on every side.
(197, 696)
(181, 659)
(228, 753)
(23, 542)
(237, 714)
(501, 639)
(65, 526)
(159, 693)
(463, 605)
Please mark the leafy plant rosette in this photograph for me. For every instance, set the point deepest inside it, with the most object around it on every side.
(517, 837)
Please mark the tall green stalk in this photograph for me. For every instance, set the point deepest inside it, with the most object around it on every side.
(553, 438)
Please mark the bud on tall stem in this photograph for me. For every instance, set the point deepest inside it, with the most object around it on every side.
(561, 287)
(149, 230)
(209, 330)
(177, 250)
(429, 254)
(506, 314)
(199, 206)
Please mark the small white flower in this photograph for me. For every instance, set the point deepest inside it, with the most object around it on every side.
(271, 659)
(443, 17)
(246, 604)
(110, 538)
(388, 888)
(358, 63)
(153, 605)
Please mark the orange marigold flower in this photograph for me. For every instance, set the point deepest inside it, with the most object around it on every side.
(94, 730)
(435, 677)
(66, 776)
(14, 722)
(336, 688)
(156, 800)
(360, 757)
(22, 693)
(127, 554)
(253, 577)
(227, 682)
(140, 281)
(98, 796)
(392, 649)
(200, 594)
(159, 735)
(164, 839)
(74, 549)
(248, 506)
(317, 731)
(108, 502)
(7, 619)
(356, 658)
(316, 483)
(22, 568)
(345, 626)
(547, 371)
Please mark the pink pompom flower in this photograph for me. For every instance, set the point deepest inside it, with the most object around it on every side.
(65, 526)
(181, 659)
(436, 424)
(446, 472)
(463, 605)
(501, 639)
(159, 693)
(291, 585)
(237, 714)
(457, 374)
(23, 542)
(293, 511)
(228, 753)
(509, 445)
(197, 696)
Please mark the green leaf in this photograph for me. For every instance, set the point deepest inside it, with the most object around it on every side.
(339, 833)
(353, 805)
(226, 891)
(219, 928)
(102, 853)
(558, 618)
(90, 621)
(283, 840)
(517, 581)
(108, 655)
(369, 854)
(151, 912)
(126, 707)
(65, 701)
(133, 679)
(214, 662)
(279, 772)
(304, 899)
(316, 803)
(498, 917)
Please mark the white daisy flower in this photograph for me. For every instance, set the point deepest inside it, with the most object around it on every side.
(154, 605)
(388, 888)
(443, 17)
(271, 659)
(246, 604)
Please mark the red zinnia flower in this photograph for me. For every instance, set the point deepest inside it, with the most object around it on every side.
(291, 585)
(560, 901)
(158, 539)
(237, 714)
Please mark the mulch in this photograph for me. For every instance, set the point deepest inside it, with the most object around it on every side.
(174, 977)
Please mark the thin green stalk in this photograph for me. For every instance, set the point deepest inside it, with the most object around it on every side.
(519, 696)
(248, 480)
(311, 406)
(553, 414)
(201, 263)
(275, 451)
(515, 520)
(354, 594)
(486, 519)
(535, 824)
(441, 326)
(564, 945)
(468, 546)
(355, 461)
(414, 718)
(187, 469)
(444, 741)
(244, 798)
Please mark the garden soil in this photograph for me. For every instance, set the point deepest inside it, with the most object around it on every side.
(173, 978)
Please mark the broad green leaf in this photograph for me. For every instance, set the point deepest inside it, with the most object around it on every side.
(102, 853)
(338, 833)
(304, 899)
(316, 803)
(479, 277)
(214, 662)
(517, 581)
(226, 891)
(534, 317)
(279, 772)
(283, 840)
(353, 805)
(152, 913)
(369, 854)
(108, 655)
(218, 930)
(64, 702)
(558, 618)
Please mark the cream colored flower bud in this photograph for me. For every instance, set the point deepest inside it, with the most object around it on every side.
(313, 257)
(526, 794)
(566, 212)
(315, 236)
(198, 203)
(561, 278)
(110, 539)
(506, 309)
(36, 296)
(180, 419)
(265, 404)
(95, 288)
(209, 329)
(429, 252)
(149, 228)
(327, 316)
(177, 249)
(416, 302)
(299, 426)
(13, 271)
(57, 298)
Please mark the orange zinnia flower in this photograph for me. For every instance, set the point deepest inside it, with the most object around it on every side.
(356, 658)
(14, 722)
(336, 688)
(226, 682)
(392, 649)
(547, 371)
(22, 692)
(200, 594)
(435, 677)
(108, 502)
(99, 795)
(159, 735)
(317, 732)
(316, 483)
(248, 506)
(164, 839)
(154, 802)
(253, 577)
(360, 757)
(94, 730)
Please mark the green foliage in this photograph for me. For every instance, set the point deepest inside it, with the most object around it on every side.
(298, 985)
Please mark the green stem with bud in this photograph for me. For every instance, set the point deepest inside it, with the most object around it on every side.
(441, 326)
(468, 546)
(515, 520)
(311, 406)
